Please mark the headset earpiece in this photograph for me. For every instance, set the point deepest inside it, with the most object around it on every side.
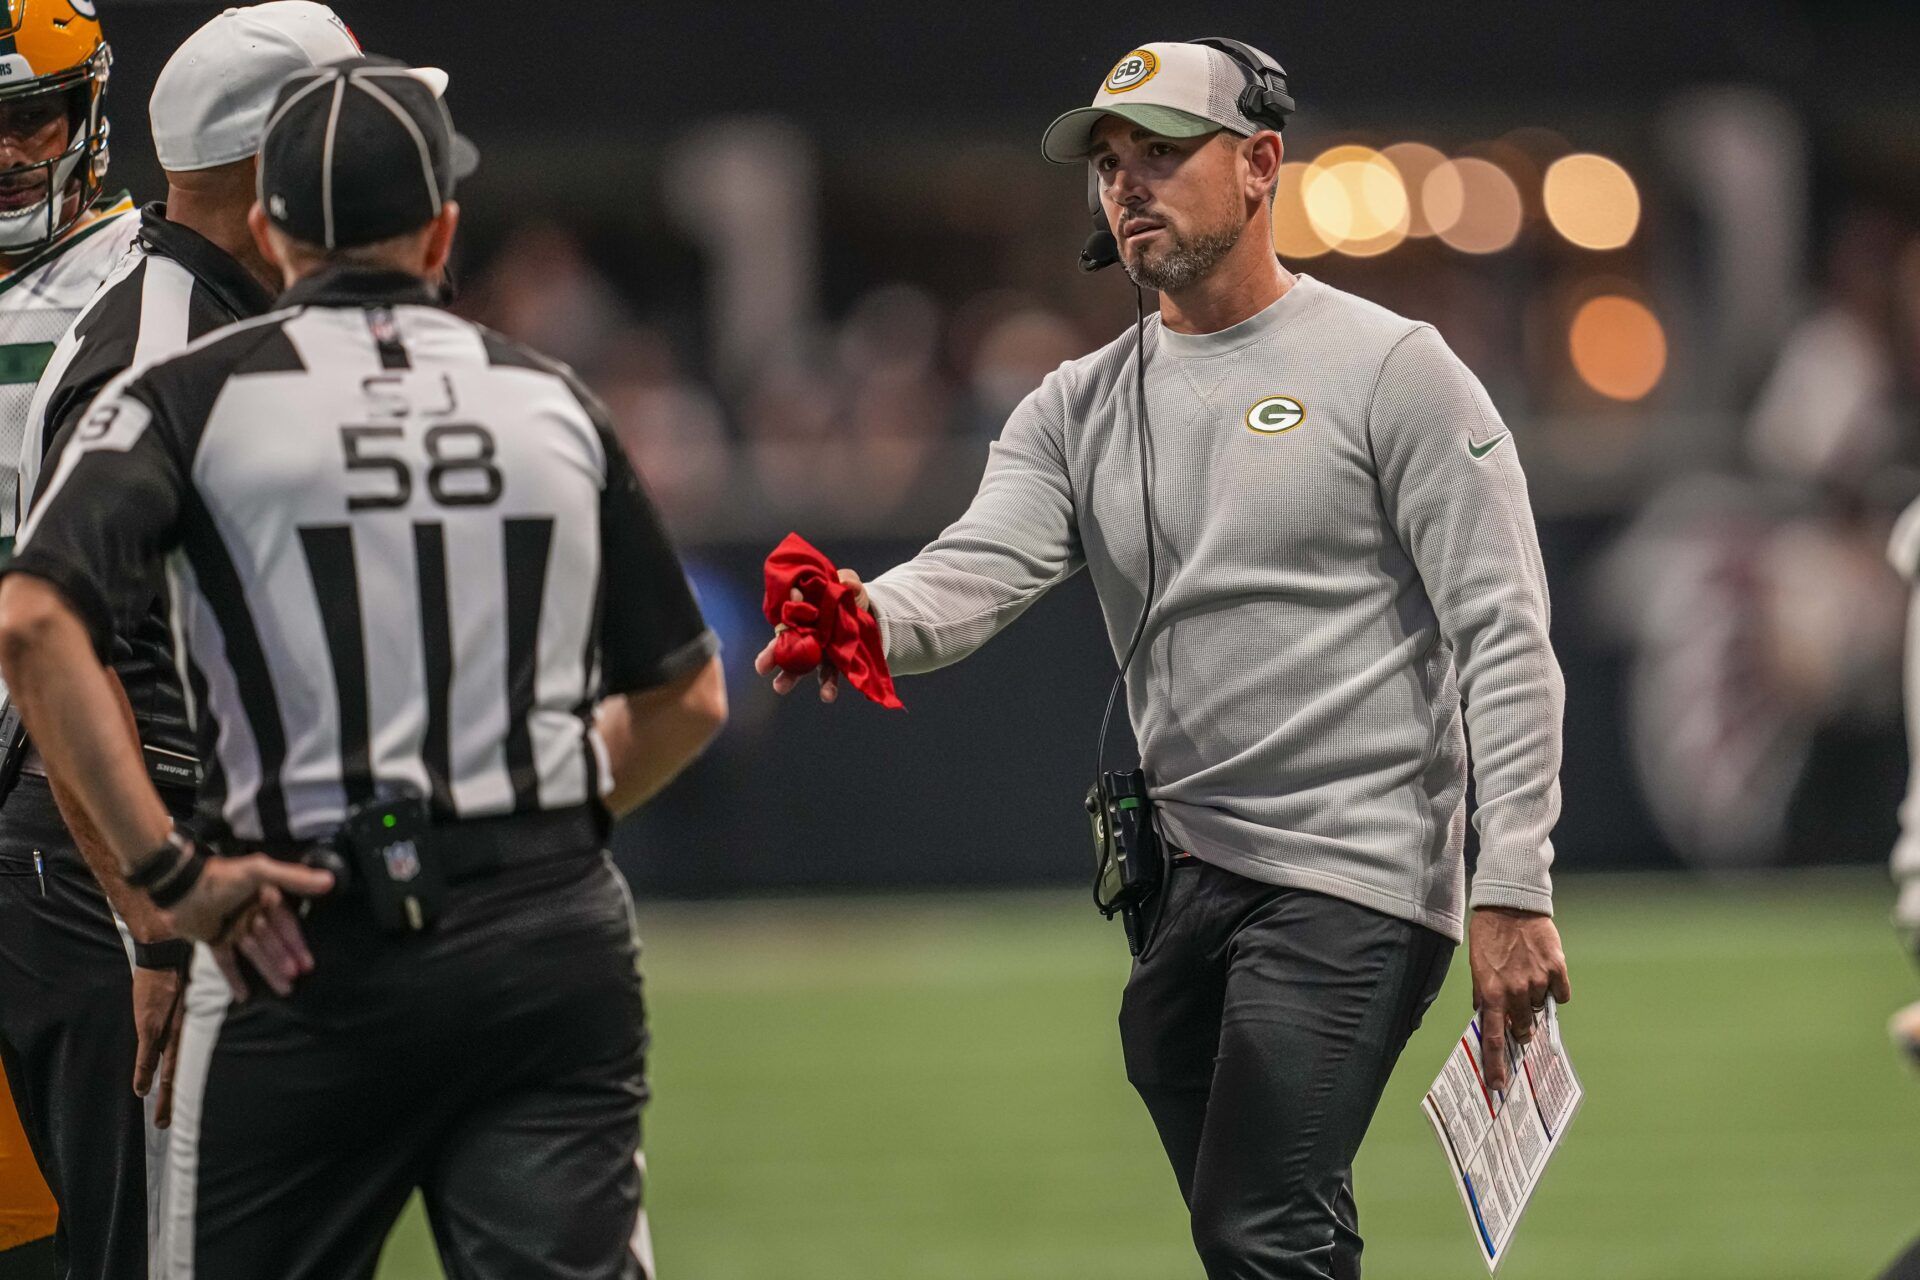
(1257, 102)
(1265, 99)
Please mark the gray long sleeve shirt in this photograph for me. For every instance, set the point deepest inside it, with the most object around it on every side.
(1345, 553)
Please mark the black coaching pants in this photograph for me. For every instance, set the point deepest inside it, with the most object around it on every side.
(67, 1040)
(1260, 1028)
(495, 1062)
(1906, 1266)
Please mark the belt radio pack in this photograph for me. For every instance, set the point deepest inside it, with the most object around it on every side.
(170, 768)
(390, 845)
(1130, 864)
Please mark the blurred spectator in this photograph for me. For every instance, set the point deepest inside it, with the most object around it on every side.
(1020, 349)
(541, 289)
(796, 450)
(672, 427)
(1831, 409)
(1765, 628)
(899, 406)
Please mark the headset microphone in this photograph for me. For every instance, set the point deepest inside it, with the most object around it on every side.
(1101, 250)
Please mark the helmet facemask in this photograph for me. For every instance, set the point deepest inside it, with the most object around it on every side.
(67, 183)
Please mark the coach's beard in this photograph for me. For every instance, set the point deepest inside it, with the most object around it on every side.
(1183, 261)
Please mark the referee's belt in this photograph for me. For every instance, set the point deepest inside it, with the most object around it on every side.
(470, 848)
(165, 768)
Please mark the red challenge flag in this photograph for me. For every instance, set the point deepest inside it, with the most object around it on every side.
(826, 624)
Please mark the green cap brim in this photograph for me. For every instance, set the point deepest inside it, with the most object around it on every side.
(1069, 138)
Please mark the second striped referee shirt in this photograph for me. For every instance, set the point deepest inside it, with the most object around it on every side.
(172, 287)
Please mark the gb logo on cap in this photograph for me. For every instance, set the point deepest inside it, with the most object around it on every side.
(1132, 71)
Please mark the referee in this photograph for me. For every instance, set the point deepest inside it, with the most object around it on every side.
(388, 537)
(1344, 556)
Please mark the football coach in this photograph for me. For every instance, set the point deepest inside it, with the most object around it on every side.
(1346, 558)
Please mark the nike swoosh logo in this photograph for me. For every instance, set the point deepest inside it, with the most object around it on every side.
(1480, 451)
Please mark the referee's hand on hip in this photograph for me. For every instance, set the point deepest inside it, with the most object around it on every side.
(1517, 963)
(242, 904)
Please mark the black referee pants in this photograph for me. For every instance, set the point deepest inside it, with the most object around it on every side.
(495, 1062)
(67, 1040)
(1260, 1028)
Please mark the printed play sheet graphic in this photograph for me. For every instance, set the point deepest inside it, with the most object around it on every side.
(1498, 1145)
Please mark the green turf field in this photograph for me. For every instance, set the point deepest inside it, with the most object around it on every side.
(916, 1089)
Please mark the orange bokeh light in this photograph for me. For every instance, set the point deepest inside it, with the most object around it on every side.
(1356, 200)
(1293, 232)
(1592, 201)
(1618, 347)
(1472, 205)
(1415, 160)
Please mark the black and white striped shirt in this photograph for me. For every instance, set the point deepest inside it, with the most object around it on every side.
(173, 286)
(406, 556)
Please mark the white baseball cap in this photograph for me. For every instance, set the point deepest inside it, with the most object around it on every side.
(1174, 89)
(211, 102)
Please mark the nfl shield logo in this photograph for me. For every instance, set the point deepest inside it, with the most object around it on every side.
(403, 861)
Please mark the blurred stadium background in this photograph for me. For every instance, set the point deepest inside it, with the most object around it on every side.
(811, 257)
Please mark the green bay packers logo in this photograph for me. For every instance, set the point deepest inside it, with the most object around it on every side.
(1132, 71)
(1275, 414)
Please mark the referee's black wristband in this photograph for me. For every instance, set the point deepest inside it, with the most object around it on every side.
(169, 873)
(173, 953)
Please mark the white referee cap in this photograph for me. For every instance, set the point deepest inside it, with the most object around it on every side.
(211, 102)
(1171, 88)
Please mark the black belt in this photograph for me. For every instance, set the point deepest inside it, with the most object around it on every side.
(475, 847)
(168, 770)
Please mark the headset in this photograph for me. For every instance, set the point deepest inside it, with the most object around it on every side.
(1266, 101)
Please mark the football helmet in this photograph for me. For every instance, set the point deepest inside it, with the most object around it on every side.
(54, 63)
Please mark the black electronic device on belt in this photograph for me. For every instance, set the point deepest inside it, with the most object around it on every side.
(392, 852)
(170, 768)
(1131, 864)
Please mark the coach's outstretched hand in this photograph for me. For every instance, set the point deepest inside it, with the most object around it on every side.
(1517, 963)
(243, 904)
(783, 683)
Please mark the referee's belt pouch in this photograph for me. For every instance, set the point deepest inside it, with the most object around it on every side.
(391, 844)
(170, 768)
